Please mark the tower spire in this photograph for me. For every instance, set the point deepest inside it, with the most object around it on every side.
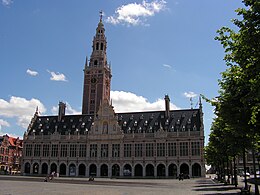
(101, 15)
(97, 74)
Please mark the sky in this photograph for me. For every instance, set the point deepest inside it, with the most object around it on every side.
(155, 47)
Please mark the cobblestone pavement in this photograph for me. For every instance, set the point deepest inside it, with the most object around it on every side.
(20, 185)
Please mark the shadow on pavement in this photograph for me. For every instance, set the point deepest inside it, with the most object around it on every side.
(218, 188)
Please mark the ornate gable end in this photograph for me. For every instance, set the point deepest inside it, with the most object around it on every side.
(106, 122)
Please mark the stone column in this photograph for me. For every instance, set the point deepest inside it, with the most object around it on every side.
(109, 170)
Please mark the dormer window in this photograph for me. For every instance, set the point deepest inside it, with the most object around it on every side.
(183, 128)
(135, 124)
(178, 121)
(124, 124)
(189, 121)
(150, 130)
(145, 123)
(172, 128)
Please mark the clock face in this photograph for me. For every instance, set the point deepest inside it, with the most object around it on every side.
(93, 80)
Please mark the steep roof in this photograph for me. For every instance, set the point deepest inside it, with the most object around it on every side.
(138, 122)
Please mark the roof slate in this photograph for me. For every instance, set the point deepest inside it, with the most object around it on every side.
(138, 122)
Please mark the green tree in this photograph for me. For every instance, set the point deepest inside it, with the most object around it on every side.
(238, 103)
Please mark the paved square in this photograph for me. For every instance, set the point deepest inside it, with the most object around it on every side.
(19, 185)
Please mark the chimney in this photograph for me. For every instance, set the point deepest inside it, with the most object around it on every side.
(167, 106)
(62, 107)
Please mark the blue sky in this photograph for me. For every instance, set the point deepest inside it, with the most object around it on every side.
(155, 47)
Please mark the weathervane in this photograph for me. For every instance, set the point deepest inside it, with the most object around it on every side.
(101, 15)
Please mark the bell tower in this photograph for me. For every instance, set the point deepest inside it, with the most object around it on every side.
(97, 73)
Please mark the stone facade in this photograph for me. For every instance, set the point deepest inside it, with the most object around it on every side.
(102, 143)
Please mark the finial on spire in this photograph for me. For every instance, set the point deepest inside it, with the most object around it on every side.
(101, 15)
(191, 103)
(36, 111)
(200, 103)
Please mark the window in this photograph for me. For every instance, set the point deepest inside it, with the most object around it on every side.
(93, 150)
(104, 150)
(172, 149)
(95, 62)
(37, 150)
(82, 150)
(160, 149)
(138, 150)
(102, 45)
(105, 128)
(54, 150)
(127, 150)
(149, 150)
(115, 150)
(28, 150)
(97, 46)
(195, 148)
(63, 150)
(73, 150)
(46, 148)
(184, 149)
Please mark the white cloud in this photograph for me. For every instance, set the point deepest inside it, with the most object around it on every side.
(3, 123)
(7, 2)
(69, 110)
(57, 76)
(130, 102)
(21, 109)
(167, 65)
(31, 72)
(125, 102)
(190, 94)
(135, 14)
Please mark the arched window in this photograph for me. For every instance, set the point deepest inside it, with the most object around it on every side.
(95, 62)
(101, 47)
(97, 46)
(105, 127)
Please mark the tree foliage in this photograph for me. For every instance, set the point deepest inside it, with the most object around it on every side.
(237, 107)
